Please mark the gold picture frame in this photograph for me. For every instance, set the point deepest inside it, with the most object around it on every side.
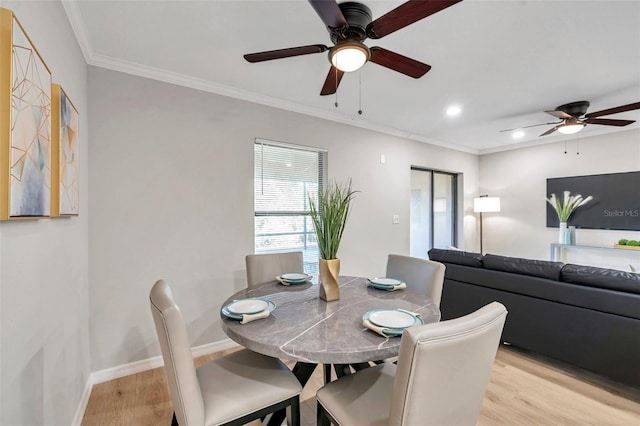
(25, 125)
(65, 169)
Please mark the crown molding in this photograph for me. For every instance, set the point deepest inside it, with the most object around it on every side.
(116, 64)
(583, 135)
(78, 27)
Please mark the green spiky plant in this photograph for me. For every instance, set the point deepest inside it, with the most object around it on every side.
(565, 207)
(329, 216)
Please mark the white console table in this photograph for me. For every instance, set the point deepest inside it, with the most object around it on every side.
(606, 257)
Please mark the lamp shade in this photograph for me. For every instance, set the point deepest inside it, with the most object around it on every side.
(349, 56)
(486, 204)
(569, 129)
(571, 126)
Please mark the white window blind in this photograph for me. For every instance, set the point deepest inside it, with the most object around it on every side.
(285, 176)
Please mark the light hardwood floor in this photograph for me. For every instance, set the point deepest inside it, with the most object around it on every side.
(524, 389)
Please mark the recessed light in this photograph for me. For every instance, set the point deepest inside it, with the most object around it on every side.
(454, 110)
(518, 134)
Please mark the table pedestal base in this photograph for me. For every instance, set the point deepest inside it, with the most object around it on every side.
(303, 372)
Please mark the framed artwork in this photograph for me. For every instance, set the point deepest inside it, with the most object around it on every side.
(25, 125)
(65, 170)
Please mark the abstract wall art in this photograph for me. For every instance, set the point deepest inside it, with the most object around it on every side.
(65, 170)
(25, 124)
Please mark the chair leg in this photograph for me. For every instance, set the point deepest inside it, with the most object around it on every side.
(321, 416)
(174, 421)
(295, 411)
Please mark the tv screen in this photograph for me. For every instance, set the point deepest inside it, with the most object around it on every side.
(615, 204)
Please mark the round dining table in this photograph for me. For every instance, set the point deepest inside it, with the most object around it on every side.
(306, 329)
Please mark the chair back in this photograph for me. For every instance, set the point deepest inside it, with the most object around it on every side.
(186, 395)
(425, 276)
(444, 368)
(266, 267)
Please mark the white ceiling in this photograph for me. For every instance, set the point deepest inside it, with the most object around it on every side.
(503, 61)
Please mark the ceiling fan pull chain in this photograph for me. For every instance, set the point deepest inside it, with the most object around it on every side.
(360, 92)
(565, 146)
(336, 104)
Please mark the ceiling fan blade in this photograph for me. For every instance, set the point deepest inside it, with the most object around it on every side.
(332, 81)
(551, 130)
(559, 114)
(397, 62)
(608, 121)
(330, 13)
(526, 127)
(615, 110)
(406, 14)
(285, 53)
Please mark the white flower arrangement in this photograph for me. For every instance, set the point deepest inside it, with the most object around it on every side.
(568, 205)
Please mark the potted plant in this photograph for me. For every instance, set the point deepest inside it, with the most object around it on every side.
(564, 209)
(329, 215)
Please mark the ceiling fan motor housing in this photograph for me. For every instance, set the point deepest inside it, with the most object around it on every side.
(358, 17)
(574, 109)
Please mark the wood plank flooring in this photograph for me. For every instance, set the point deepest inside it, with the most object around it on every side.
(524, 389)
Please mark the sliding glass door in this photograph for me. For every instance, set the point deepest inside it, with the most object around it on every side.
(433, 210)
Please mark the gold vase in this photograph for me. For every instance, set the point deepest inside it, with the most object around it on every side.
(329, 286)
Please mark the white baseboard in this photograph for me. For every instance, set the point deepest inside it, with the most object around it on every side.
(155, 362)
(138, 367)
(84, 400)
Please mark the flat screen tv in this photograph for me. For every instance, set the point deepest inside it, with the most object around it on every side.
(615, 204)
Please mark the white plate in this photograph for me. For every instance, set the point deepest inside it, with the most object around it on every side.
(231, 315)
(392, 319)
(385, 281)
(247, 306)
(295, 276)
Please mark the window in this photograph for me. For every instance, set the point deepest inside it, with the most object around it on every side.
(433, 211)
(285, 176)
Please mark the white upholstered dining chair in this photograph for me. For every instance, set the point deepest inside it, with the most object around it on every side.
(425, 276)
(232, 390)
(265, 267)
(442, 373)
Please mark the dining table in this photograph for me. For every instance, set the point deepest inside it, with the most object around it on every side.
(304, 328)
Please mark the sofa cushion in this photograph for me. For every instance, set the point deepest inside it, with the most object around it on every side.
(458, 257)
(602, 278)
(516, 265)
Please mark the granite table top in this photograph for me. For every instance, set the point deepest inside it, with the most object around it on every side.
(305, 328)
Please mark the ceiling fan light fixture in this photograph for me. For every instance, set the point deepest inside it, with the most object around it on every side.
(571, 126)
(349, 56)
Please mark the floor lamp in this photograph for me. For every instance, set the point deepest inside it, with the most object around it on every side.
(485, 204)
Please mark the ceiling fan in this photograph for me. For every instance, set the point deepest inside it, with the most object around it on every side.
(349, 24)
(574, 117)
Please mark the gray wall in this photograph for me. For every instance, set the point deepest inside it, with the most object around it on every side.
(172, 198)
(519, 177)
(44, 324)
